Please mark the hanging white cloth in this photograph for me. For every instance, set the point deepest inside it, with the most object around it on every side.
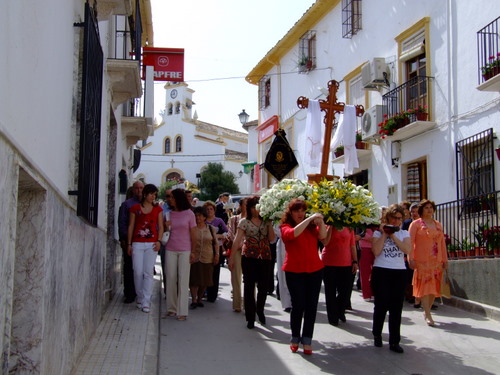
(313, 134)
(346, 135)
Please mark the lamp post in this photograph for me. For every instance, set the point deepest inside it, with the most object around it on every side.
(243, 117)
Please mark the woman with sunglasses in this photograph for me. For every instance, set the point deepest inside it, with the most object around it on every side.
(389, 276)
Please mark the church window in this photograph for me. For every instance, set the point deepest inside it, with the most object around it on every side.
(177, 108)
(170, 108)
(178, 144)
(167, 149)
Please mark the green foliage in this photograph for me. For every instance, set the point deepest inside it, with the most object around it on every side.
(165, 186)
(215, 180)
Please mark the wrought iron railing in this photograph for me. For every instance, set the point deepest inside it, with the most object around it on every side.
(409, 95)
(488, 51)
(471, 226)
(90, 120)
(128, 36)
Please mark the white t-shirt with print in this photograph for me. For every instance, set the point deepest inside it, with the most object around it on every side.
(391, 256)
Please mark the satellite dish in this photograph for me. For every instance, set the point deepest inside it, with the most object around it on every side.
(366, 122)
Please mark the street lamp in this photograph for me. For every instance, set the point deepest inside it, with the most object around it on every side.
(243, 117)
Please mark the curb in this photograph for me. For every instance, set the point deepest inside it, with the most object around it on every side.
(481, 309)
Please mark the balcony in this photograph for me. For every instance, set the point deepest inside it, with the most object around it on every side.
(488, 57)
(124, 80)
(106, 8)
(406, 110)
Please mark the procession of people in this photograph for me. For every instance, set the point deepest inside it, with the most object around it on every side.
(313, 253)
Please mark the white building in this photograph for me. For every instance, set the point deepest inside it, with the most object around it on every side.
(182, 145)
(68, 65)
(391, 56)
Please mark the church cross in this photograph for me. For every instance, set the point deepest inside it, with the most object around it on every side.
(330, 106)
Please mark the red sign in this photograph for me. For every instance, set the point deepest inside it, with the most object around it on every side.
(168, 63)
(268, 128)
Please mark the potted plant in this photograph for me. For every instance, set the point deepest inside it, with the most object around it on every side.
(305, 63)
(468, 247)
(478, 233)
(497, 150)
(491, 68)
(390, 125)
(359, 141)
(492, 237)
(339, 151)
(420, 112)
(452, 250)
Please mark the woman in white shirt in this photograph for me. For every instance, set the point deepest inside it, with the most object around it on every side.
(388, 279)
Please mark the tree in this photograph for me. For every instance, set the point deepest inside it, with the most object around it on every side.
(215, 180)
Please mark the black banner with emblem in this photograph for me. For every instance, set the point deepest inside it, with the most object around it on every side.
(280, 159)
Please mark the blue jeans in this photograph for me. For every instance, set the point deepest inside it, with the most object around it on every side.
(304, 291)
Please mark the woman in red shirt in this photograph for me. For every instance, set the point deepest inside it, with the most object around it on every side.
(341, 263)
(303, 269)
(144, 232)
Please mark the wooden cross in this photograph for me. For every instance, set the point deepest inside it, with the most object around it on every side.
(330, 106)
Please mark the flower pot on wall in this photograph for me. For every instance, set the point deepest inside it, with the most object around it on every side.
(360, 145)
(422, 116)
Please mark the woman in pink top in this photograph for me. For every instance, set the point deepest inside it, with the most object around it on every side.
(303, 269)
(341, 262)
(144, 231)
(179, 253)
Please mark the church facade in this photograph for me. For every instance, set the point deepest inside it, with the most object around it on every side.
(183, 145)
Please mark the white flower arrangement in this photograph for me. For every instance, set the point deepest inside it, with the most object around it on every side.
(274, 201)
(344, 204)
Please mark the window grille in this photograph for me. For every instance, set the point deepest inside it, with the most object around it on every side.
(264, 92)
(307, 52)
(351, 18)
(475, 169)
(90, 126)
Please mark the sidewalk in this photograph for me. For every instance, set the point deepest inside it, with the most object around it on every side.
(215, 340)
(126, 341)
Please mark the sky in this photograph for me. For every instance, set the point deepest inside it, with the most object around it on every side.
(223, 41)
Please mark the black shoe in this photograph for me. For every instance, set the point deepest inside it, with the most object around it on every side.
(200, 304)
(250, 324)
(396, 348)
(262, 318)
(129, 299)
(417, 305)
(434, 307)
(288, 309)
(193, 306)
(377, 341)
(342, 318)
(334, 322)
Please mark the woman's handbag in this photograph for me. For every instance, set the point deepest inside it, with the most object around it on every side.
(445, 285)
(164, 238)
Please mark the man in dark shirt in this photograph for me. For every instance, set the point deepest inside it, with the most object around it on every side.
(220, 211)
(123, 219)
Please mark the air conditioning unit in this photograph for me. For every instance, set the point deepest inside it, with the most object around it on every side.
(372, 74)
(369, 122)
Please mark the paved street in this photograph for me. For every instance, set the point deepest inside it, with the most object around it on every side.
(215, 340)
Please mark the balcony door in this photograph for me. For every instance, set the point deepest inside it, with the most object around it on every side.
(417, 88)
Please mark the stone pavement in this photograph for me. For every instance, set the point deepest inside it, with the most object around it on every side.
(215, 340)
(126, 340)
